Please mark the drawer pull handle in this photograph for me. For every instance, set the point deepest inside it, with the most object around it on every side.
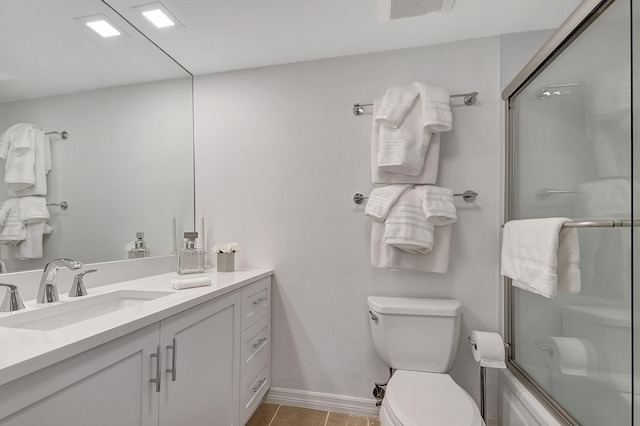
(259, 301)
(259, 342)
(174, 359)
(259, 385)
(158, 374)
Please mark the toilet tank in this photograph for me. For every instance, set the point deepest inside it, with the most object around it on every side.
(415, 334)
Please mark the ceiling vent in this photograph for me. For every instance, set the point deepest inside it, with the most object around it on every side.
(400, 9)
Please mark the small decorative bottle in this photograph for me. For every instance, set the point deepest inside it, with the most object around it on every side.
(190, 258)
(140, 249)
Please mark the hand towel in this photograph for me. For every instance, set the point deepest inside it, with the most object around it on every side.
(13, 228)
(42, 166)
(436, 108)
(386, 256)
(182, 283)
(31, 247)
(403, 149)
(407, 228)
(429, 173)
(17, 147)
(541, 256)
(437, 204)
(33, 209)
(382, 199)
(395, 105)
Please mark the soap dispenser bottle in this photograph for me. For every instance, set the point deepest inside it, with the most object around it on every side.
(140, 248)
(190, 258)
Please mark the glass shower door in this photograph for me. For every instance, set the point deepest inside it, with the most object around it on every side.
(571, 156)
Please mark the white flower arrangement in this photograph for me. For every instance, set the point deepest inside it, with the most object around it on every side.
(225, 248)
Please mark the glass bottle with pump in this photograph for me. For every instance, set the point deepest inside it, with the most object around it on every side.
(140, 248)
(190, 258)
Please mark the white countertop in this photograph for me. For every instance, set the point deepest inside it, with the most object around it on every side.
(25, 351)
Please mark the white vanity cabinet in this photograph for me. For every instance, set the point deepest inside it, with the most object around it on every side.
(213, 367)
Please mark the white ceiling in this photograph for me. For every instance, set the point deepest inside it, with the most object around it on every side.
(44, 51)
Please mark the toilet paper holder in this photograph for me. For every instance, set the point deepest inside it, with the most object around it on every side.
(483, 386)
(475, 344)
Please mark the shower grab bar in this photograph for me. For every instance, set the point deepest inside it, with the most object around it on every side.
(64, 135)
(469, 99)
(468, 196)
(600, 224)
(544, 193)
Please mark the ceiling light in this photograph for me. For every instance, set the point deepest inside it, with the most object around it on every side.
(158, 15)
(158, 18)
(102, 25)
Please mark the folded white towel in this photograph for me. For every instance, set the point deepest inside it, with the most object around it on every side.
(403, 149)
(436, 108)
(33, 209)
(429, 173)
(42, 166)
(437, 204)
(382, 199)
(386, 256)
(182, 283)
(13, 228)
(541, 256)
(395, 105)
(17, 147)
(406, 226)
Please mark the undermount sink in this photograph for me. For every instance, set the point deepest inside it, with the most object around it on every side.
(71, 312)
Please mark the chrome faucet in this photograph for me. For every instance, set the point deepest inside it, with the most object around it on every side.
(48, 290)
(12, 301)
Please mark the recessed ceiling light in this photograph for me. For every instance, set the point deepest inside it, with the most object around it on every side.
(102, 25)
(158, 15)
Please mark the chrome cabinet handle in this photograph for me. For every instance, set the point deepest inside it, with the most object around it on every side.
(158, 374)
(259, 301)
(260, 382)
(259, 342)
(174, 350)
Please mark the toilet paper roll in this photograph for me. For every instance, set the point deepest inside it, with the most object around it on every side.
(572, 356)
(489, 349)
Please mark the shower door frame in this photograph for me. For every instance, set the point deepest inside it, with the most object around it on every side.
(584, 15)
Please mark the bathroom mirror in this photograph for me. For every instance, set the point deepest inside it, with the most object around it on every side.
(127, 164)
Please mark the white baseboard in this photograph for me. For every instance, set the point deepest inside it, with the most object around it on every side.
(322, 401)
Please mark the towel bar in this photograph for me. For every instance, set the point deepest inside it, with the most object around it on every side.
(64, 135)
(600, 224)
(468, 196)
(469, 99)
(64, 205)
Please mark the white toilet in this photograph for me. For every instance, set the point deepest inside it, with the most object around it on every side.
(418, 338)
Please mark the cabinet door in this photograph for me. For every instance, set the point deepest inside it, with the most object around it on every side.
(201, 383)
(107, 385)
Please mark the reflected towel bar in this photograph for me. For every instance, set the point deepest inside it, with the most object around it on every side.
(64, 135)
(469, 99)
(600, 224)
(544, 193)
(64, 205)
(468, 195)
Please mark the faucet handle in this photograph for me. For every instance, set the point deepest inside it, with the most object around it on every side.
(78, 289)
(12, 301)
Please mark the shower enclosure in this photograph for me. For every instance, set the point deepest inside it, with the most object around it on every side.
(570, 153)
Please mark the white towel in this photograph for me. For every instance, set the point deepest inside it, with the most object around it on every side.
(436, 108)
(541, 256)
(429, 172)
(382, 199)
(183, 283)
(395, 105)
(407, 228)
(437, 204)
(13, 228)
(42, 166)
(386, 256)
(33, 209)
(17, 147)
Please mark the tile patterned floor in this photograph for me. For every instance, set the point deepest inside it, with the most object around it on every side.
(284, 415)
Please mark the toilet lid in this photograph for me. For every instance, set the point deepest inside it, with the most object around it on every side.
(415, 398)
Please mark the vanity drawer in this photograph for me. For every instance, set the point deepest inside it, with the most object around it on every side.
(256, 302)
(254, 387)
(254, 344)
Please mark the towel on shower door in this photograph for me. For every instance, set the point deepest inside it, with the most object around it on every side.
(541, 256)
(17, 147)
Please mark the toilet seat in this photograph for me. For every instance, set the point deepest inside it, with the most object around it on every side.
(415, 398)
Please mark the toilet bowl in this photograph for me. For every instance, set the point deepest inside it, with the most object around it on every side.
(418, 339)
